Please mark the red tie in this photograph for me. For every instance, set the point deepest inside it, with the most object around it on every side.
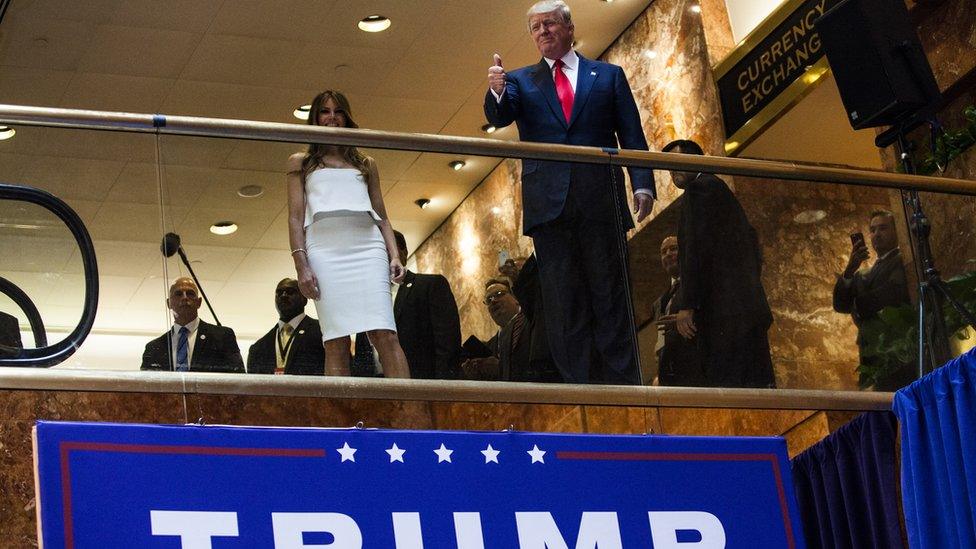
(564, 90)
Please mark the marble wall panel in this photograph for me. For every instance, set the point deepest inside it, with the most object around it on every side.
(622, 420)
(89, 406)
(806, 433)
(729, 422)
(17, 503)
(947, 31)
(718, 30)
(953, 236)
(499, 416)
(813, 347)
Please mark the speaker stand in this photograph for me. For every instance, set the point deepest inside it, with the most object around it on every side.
(933, 337)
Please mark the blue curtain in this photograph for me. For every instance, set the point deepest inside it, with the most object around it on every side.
(846, 486)
(938, 471)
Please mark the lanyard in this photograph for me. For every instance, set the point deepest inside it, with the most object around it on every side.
(284, 348)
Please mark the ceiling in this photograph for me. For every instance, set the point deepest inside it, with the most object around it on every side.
(245, 59)
(816, 130)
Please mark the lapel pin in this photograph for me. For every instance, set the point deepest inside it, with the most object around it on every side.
(203, 336)
(300, 332)
(592, 73)
(409, 284)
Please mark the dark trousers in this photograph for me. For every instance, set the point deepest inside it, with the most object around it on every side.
(736, 352)
(583, 296)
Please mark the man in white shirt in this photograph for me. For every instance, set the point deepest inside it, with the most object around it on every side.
(570, 209)
(192, 344)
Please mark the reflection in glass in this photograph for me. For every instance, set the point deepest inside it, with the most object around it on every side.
(40, 259)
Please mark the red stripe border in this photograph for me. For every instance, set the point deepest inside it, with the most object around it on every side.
(772, 459)
(66, 447)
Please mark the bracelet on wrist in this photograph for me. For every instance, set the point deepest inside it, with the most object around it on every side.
(296, 250)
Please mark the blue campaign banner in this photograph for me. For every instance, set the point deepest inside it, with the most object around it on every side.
(196, 487)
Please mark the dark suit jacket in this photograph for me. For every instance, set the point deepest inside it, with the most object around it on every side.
(604, 114)
(428, 326)
(528, 359)
(679, 360)
(215, 350)
(864, 295)
(528, 291)
(306, 357)
(720, 257)
(10, 331)
(10, 341)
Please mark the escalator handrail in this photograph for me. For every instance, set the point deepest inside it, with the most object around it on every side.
(59, 352)
(26, 304)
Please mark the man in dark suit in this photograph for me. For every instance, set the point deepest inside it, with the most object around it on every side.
(294, 345)
(10, 341)
(192, 344)
(885, 284)
(678, 360)
(520, 351)
(576, 213)
(427, 322)
(723, 303)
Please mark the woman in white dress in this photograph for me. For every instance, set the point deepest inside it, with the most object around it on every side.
(343, 244)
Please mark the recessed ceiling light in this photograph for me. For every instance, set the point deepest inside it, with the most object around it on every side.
(456, 164)
(488, 128)
(422, 203)
(695, 8)
(223, 228)
(250, 191)
(301, 113)
(495, 209)
(809, 216)
(374, 23)
(6, 132)
(650, 54)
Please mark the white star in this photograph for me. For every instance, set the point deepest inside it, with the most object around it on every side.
(396, 454)
(443, 454)
(491, 454)
(346, 452)
(536, 454)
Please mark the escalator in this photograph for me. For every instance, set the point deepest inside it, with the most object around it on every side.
(42, 355)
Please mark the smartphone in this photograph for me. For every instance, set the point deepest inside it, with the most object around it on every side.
(857, 239)
(503, 258)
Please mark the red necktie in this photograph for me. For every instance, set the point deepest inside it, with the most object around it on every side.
(564, 90)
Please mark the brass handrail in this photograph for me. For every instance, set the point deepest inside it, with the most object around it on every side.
(298, 133)
(439, 390)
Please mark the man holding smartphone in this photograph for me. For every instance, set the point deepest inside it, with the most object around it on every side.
(863, 294)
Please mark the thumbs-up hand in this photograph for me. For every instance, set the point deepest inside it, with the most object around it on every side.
(496, 76)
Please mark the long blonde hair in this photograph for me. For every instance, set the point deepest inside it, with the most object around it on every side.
(316, 151)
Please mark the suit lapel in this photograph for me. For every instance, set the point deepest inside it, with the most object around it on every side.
(401, 297)
(201, 342)
(585, 76)
(542, 77)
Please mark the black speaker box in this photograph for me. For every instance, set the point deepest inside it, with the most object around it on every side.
(876, 58)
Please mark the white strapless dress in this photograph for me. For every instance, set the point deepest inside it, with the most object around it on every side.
(347, 254)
